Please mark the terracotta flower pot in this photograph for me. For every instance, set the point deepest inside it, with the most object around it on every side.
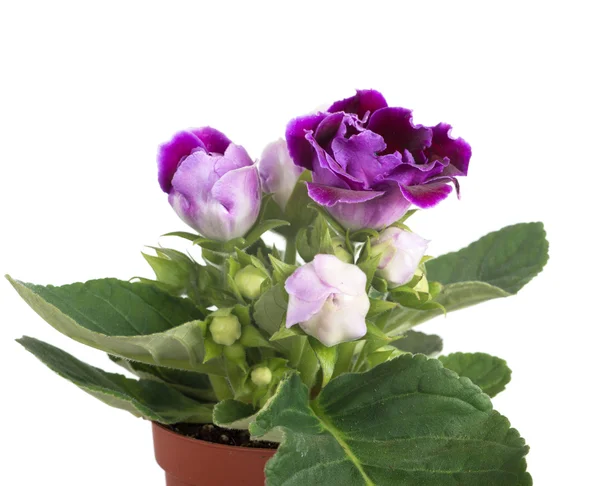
(192, 462)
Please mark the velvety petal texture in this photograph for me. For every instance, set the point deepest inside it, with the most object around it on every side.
(327, 298)
(213, 184)
(362, 145)
(278, 173)
(401, 253)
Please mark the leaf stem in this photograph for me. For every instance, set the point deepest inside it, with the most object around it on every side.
(290, 249)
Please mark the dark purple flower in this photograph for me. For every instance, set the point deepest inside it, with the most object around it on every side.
(370, 162)
(212, 183)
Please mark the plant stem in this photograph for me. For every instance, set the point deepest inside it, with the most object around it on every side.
(344, 360)
(290, 250)
(220, 385)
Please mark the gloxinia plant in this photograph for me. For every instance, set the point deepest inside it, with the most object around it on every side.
(312, 346)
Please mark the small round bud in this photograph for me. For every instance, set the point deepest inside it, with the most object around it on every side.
(340, 250)
(261, 376)
(225, 330)
(235, 352)
(249, 280)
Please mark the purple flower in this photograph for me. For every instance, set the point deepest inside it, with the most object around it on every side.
(370, 162)
(212, 183)
(401, 253)
(328, 299)
(278, 173)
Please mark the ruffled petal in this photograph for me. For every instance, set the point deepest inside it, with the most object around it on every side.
(397, 129)
(358, 156)
(330, 196)
(214, 140)
(427, 195)
(172, 153)
(365, 100)
(300, 149)
(344, 277)
(457, 151)
(375, 213)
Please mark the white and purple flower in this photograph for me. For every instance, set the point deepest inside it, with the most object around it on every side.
(328, 300)
(213, 185)
(401, 253)
(369, 162)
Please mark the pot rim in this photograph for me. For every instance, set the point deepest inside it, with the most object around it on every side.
(247, 450)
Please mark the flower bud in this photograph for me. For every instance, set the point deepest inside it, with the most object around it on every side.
(212, 184)
(236, 353)
(328, 300)
(225, 330)
(278, 173)
(401, 252)
(261, 376)
(340, 250)
(249, 280)
(423, 284)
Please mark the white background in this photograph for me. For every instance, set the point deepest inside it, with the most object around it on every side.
(89, 89)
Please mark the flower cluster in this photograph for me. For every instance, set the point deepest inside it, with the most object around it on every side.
(368, 164)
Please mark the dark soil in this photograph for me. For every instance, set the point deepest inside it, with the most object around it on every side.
(218, 435)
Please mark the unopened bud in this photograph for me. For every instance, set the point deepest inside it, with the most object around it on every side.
(225, 330)
(249, 280)
(340, 250)
(261, 376)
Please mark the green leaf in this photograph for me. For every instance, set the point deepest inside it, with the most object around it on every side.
(183, 234)
(193, 385)
(419, 343)
(331, 221)
(261, 228)
(452, 297)
(327, 357)
(233, 414)
(489, 373)
(281, 270)
(506, 259)
(407, 422)
(270, 309)
(315, 240)
(144, 398)
(131, 320)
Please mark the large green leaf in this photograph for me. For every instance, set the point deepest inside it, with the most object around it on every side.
(507, 259)
(144, 398)
(270, 309)
(489, 373)
(497, 265)
(419, 343)
(452, 297)
(131, 320)
(406, 422)
(191, 384)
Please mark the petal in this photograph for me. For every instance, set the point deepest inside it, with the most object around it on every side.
(171, 153)
(305, 284)
(195, 176)
(214, 140)
(238, 191)
(396, 127)
(358, 155)
(295, 135)
(341, 319)
(409, 174)
(376, 213)
(299, 310)
(235, 157)
(330, 196)
(365, 100)
(344, 277)
(456, 150)
(427, 195)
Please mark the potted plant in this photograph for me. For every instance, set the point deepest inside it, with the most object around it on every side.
(301, 365)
